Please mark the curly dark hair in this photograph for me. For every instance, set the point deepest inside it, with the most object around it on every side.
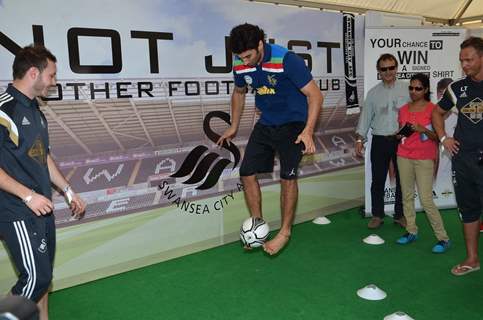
(245, 37)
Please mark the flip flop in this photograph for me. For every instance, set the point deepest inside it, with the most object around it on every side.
(461, 270)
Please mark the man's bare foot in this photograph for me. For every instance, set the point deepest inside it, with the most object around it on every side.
(276, 244)
(465, 267)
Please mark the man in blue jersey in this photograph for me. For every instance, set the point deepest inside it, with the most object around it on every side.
(290, 104)
(27, 172)
(466, 146)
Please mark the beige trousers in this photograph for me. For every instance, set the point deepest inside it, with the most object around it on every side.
(421, 172)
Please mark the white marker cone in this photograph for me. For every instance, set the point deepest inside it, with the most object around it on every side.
(373, 239)
(321, 220)
(398, 315)
(371, 292)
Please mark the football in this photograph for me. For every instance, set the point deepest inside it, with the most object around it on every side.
(254, 232)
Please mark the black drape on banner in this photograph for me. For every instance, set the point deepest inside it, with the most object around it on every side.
(350, 65)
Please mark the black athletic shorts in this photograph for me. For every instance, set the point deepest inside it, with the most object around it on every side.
(468, 185)
(31, 243)
(265, 142)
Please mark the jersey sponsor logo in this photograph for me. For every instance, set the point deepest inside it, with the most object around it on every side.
(38, 152)
(265, 90)
(25, 121)
(473, 110)
(272, 80)
(200, 164)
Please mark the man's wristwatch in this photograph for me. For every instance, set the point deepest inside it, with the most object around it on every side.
(442, 138)
(68, 193)
(28, 198)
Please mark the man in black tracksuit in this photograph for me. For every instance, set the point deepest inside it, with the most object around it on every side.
(27, 171)
(466, 147)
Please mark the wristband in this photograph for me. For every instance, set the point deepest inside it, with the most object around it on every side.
(28, 198)
(442, 139)
(69, 194)
(359, 140)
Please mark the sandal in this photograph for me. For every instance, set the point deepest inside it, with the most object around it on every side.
(461, 270)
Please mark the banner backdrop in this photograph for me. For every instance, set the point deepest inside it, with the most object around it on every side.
(143, 92)
(434, 52)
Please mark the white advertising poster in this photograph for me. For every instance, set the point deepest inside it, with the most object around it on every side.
(141, 95)
(435, 52)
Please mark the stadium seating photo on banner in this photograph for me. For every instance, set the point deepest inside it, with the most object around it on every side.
(139, 99)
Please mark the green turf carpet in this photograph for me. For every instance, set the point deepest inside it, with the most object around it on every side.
(315, 277)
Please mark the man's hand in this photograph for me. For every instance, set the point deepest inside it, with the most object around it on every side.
(227, 136)
(308, 141)
(451, 145)
(77, 206)
(39, 204)
(359, 146)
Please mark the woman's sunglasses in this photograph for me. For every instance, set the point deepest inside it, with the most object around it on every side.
(411, 88)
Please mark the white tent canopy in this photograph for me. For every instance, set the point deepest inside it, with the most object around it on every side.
(450, 12)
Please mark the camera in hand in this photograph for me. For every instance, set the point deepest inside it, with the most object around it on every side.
(406, 130)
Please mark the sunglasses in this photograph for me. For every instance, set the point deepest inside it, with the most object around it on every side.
(384, 69)
(411, 88)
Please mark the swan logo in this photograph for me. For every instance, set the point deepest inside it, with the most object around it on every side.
(43, 246)
(208, 166)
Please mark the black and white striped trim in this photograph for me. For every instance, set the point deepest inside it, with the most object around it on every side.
(5, 95)
(451, 93)
(6, 121)
(28, 259)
